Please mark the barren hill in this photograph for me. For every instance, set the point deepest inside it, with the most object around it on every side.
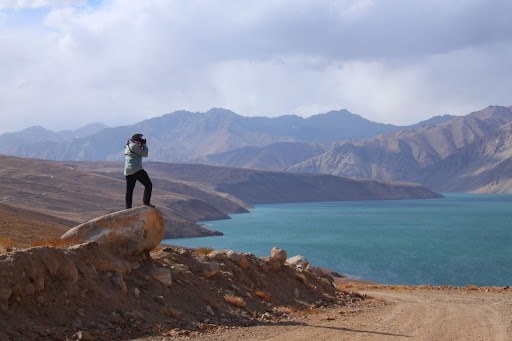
(484, 166)
(405, 155)
(78, 191)
(24, 227)
(275, 156)
(76, 195)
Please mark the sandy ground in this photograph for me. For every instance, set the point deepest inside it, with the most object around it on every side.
(405, 313)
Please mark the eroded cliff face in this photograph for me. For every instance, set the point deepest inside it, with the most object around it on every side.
(97, 290)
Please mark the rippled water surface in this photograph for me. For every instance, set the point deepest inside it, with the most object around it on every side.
(459, 240)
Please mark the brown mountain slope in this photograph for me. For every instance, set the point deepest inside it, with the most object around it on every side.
(77, 195)
(484, 166)
(257, 187)
(275, 156)
(24, 227)
(405, 155)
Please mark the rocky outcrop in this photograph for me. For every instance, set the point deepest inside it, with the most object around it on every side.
(89, 290)
(298, 261)
(128, 232)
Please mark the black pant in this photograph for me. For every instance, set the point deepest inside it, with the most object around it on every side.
(143, 177)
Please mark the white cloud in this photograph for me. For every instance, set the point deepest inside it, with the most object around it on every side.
(33, 4)
(394, 61)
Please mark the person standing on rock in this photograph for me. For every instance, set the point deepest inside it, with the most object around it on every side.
(134, 151)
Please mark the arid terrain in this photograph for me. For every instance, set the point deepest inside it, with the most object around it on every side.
(393, 313)
(73, 192)
(86, 291)
(91, 291)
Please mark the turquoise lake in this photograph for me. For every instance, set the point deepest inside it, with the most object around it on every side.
(458, 240)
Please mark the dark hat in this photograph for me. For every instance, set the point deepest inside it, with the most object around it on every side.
(136, 136)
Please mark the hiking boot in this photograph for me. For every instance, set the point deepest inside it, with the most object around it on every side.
(149, 205)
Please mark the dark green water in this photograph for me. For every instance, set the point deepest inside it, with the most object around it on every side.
(459, 240)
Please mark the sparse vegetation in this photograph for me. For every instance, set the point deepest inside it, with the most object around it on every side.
(237, 301)
(284, 310)
(159, 328)
(171, 312)
(265, 296)
(57, 242)
(6, 244)
(204, 250)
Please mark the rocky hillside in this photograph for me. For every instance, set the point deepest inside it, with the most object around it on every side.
(484, 166)
(275, 156)
(92, 291)
(405, 155)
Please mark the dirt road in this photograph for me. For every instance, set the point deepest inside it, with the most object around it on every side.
(403, 313)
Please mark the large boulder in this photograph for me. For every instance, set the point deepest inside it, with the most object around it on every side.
(128, 232)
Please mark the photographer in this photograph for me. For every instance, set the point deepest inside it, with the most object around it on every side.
(134, 151)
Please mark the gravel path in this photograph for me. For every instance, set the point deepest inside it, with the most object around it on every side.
(400, 313)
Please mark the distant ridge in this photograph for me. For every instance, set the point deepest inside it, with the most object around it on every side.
(336, 143)
(410, 154)
(184, 136)
(37, 134)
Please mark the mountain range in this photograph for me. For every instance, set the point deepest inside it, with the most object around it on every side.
(417, 154)
(38, 134)
(184, 136)
(335, 143)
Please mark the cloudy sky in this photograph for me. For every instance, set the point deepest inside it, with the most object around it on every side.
(66, 63)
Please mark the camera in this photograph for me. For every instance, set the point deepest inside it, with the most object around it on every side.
(143, 141)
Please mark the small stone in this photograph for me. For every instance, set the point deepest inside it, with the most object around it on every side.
(266, 316)
(162, 275)
(217, 255)
(83, 336)
(275, 264)
(210, 310)
(210, 269)
(239, 259)
(77, 323)
(136, 292)
(264, 267)
(5, 293)
(30, 289)
(278, 254)
(298, 261)
(296, 293)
